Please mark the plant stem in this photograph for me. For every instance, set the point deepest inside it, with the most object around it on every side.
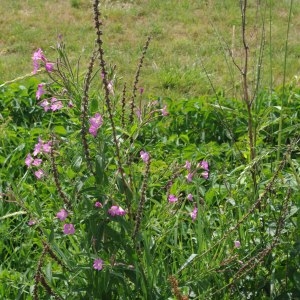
(246, 97)
(283, 84)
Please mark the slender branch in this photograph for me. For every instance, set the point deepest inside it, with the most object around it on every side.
(56, 176)
(99, 42)
(84, 110)
(136, 80)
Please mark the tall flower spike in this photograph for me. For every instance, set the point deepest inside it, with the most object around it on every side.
(100, 50)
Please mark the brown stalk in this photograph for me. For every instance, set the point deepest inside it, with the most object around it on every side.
(56, 176)
(136, 80)
(142, 201)
(84, 111)
(99, 43)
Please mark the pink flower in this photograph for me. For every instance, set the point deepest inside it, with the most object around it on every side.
(40, 91)
(37, 55)
(237, 244)
(95, 122)
(194, 213)
(45, 104)
(36, 162)
(98, 204)
(62, 214)
(190, 197)
(188, 165)
(204, 165)
(39, 174)
(98, 264)
(31, 222)
(145, 156)
(141, 90)
(55, 104)
(110, 87)
(47, 147)
(205, 175)
(172, 198)
(116, 211)
(69, 229)
(164, 111)
(70, 104)
(189, 177)
(49, 66)
(38, 147)
(28, 160)
(42, 147)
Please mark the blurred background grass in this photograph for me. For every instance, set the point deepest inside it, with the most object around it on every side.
(187, 35)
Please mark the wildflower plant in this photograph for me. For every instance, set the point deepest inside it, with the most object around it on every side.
(96, 169)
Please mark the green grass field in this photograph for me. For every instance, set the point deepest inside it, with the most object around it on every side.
(189, 190)
(186, 37)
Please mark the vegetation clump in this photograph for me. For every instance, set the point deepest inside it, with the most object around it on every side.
(108, 192)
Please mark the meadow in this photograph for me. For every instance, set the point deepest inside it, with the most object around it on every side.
(149, 149)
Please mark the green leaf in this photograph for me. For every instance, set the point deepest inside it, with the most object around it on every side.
(60, 130)
(188, 261)
(99, 169)
(184, 138)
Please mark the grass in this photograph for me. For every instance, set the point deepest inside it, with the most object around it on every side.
(158, 250)
(185, 38)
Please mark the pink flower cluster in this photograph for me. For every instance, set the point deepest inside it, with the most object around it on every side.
(53, 104)
(205, 166)
(96, 122)
(68, 228)
(172, 199)
(201, 165)
(116, 211)
(40, 147)
(189, 177)
(39, 56)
